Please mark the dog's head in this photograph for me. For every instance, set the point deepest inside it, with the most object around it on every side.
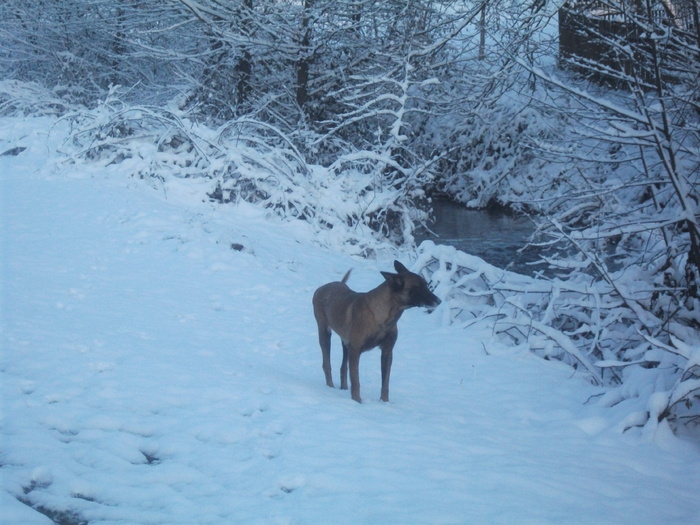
(411, 289)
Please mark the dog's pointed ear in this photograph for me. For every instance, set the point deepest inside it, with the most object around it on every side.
(395, 281)
(400, 267)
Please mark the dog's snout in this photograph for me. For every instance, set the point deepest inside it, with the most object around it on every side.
(435, 302)
(422, 296)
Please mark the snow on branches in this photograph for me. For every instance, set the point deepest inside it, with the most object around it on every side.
(348, 204)
(646, 362)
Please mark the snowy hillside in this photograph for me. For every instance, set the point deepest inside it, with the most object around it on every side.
(160, 365)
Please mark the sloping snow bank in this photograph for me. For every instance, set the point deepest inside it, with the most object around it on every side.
(160, 365)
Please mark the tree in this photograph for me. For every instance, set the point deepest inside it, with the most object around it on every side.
(624, 207)
(82, 47)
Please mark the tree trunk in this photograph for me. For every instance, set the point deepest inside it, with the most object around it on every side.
(302, 88)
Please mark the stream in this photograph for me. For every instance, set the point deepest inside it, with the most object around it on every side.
(492, 234)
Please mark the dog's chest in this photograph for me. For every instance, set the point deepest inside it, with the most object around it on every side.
(378, 330)
(372, 340)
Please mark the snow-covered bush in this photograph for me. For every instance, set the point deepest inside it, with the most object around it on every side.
(526, 309)
(488, 154)
(349, 203)
(19, 98)
(596, 327)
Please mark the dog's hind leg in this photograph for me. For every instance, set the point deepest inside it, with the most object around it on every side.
(344, 369)
(324, 339)
(354, 361)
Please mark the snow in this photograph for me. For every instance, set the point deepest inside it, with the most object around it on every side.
(151, 373)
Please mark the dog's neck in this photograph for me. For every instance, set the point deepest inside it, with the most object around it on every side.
(384, 305)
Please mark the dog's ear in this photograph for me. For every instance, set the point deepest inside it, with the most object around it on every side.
(395, 281)
(400, 267)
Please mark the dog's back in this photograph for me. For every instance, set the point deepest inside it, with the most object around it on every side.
(332, 303)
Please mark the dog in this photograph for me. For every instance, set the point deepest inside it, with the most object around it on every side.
(366, 320)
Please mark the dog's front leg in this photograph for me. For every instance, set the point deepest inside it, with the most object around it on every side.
(354, 359)
(344, 368)
(386, 372)
(387, 356)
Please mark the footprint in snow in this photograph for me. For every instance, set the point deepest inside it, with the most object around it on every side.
(292, 483)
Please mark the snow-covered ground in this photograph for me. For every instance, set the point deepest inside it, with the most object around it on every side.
(160, 365)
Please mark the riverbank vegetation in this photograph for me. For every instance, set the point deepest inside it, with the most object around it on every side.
(350, 115)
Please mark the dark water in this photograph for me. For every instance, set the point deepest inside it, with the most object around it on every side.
(493, 235)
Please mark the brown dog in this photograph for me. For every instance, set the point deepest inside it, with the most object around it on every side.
(366, 320)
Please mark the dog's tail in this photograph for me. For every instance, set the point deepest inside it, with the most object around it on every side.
(345, 278)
